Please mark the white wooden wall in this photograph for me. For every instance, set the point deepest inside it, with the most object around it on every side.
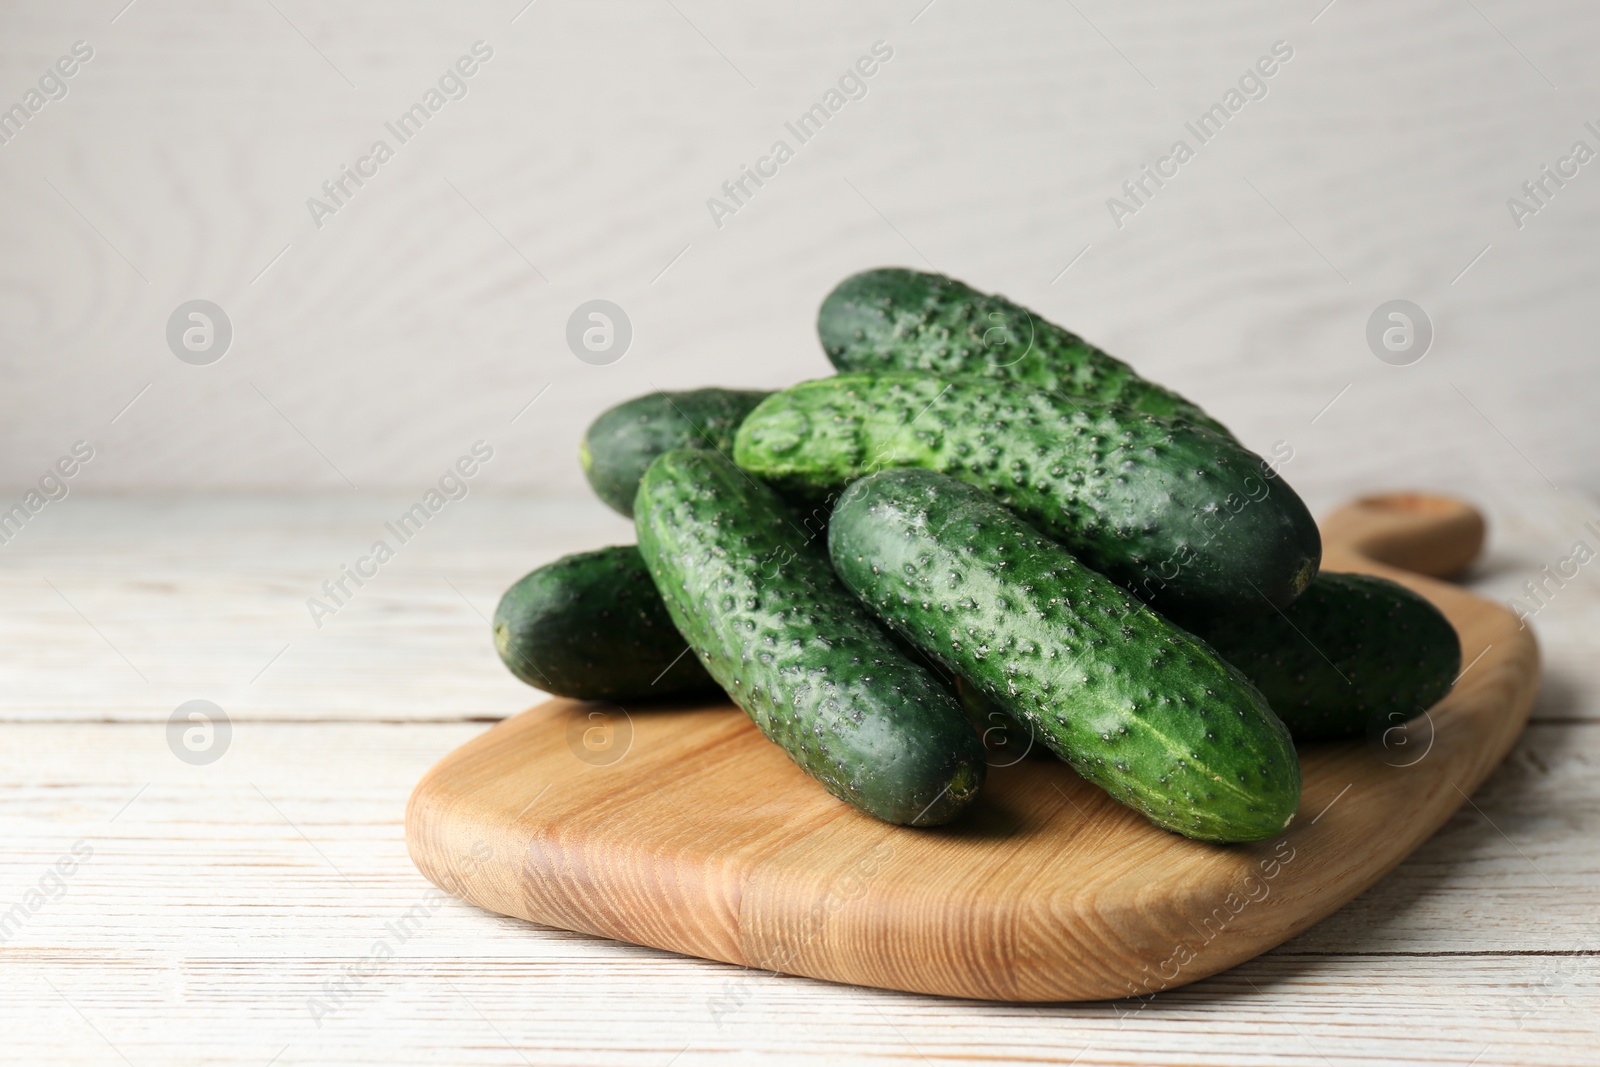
(432, 307)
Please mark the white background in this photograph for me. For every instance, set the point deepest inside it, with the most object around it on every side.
(423, 317)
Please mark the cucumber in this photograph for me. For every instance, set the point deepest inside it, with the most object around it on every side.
(894, 319)
(620, 444)
(1137, 706)
(762, 609)
(1356, 654)
(1184, 518)
(592, 626)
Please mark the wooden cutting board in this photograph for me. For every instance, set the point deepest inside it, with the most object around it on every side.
(684, 829)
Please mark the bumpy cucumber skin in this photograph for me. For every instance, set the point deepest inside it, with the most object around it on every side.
(1188, 520)
(1355, 654)
(620, 444)
(1137, 706)
(762, 609)
(894, 319)
(591, 626)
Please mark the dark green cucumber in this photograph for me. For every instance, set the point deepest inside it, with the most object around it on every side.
(620, 444)
(1355, 654)
(894, 319)
(1137, 706)
(1186, 519)
(762, 609)
(592, 626)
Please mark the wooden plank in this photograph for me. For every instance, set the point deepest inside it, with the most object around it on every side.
(205, 922)
(129, 607)
(202, 595)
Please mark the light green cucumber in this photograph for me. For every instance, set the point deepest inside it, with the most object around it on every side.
(1136, 705)
(1188, 520)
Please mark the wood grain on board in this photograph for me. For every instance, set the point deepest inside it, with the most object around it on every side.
(683, 828)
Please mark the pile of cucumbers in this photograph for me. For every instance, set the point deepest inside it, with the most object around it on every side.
(982, 534)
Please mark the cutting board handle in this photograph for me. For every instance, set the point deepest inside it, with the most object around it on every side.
(1438, 536)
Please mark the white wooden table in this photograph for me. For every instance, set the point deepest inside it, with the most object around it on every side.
(214, 912)
(225, 907)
